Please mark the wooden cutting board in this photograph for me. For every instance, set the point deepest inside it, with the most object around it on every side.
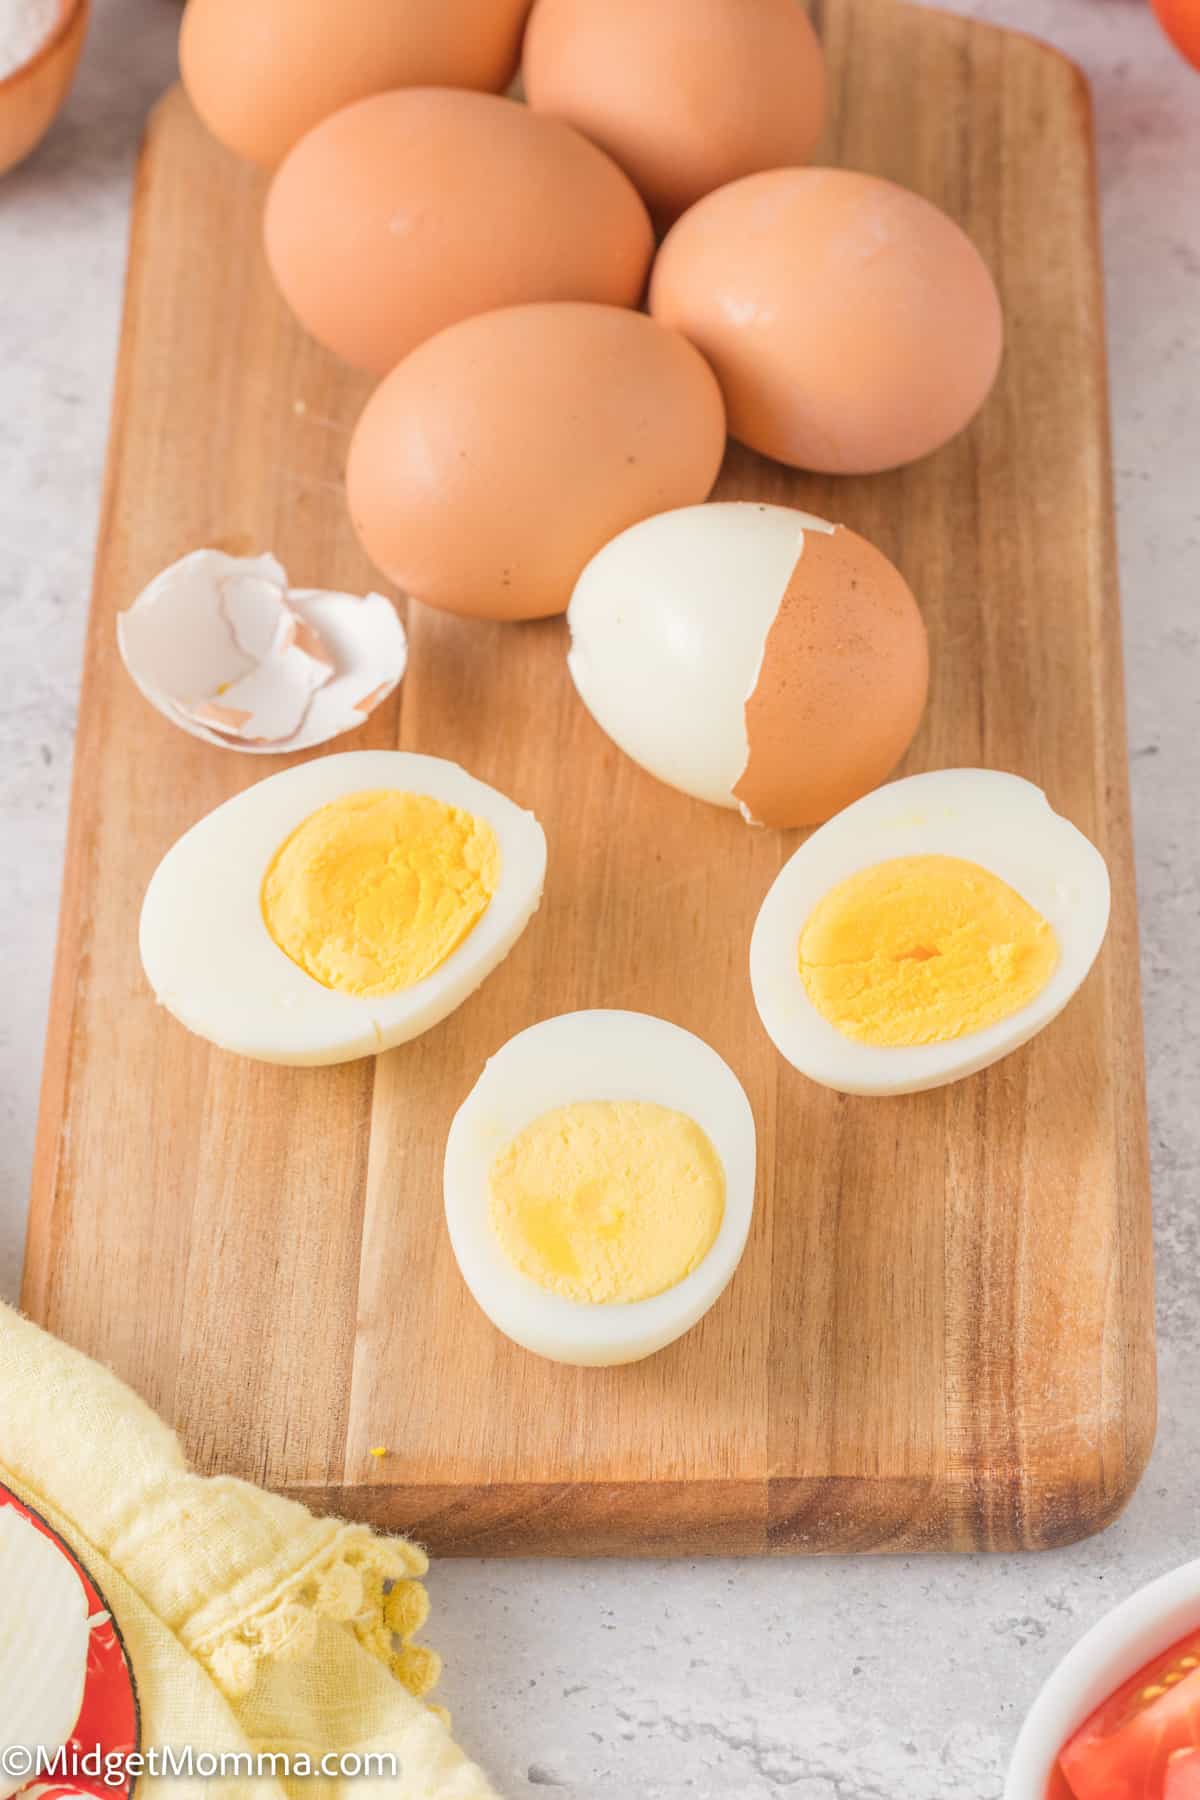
(941, 1334)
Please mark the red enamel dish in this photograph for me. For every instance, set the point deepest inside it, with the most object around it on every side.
(109, 1719)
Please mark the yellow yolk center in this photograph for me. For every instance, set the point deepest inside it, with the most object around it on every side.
(608, 1200)
(922, 949)
(372, 892)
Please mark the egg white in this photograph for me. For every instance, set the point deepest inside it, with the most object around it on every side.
(668, 625)
(598, 1055)
(999, 821)
(212, 962)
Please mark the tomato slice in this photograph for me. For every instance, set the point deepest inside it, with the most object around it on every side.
(1123, 1751)
(1183, 1776)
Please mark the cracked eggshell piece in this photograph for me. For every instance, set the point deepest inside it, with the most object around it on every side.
(213, 963)
(1000, 821)
(222, 647)
(752, 656)
(595, 1055)
(43, 1641)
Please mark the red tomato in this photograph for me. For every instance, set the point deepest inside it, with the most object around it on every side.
(1180, 19)
(1183, 1776)
(1058, 1789)
(1122, 1752)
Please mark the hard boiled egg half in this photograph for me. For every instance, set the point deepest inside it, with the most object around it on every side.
(752, 655)
(340, 907)
(599, 1184)
(926, 931)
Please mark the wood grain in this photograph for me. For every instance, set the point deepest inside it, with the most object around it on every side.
(941, 1335)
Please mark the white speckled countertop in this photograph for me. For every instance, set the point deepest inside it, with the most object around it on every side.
(835, 1680)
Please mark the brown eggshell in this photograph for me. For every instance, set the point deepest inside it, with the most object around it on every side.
(263, 72)
(685, 94)
(409, 211)
(496, 459)
(841, 687)
(852, 325)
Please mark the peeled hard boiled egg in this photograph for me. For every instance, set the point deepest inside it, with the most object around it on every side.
(263, 72)
(753, 656)
(599, 1185)
(852, 325)
(685, 94)
(411, 210)
(927, 931)
(502, 453)
(340, 907)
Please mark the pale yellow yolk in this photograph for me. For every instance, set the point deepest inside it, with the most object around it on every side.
(372, 892)
(608, 1200)
(922, 949)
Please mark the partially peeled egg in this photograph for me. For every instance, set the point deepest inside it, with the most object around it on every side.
(752, 656)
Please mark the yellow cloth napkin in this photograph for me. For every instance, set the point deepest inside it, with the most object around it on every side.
(251, 1625)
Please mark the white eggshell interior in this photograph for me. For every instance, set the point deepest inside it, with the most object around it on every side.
(600, 1055)
(998, 820)
(668, 624)
(212, 962)
(203, 634)
(43, 1641)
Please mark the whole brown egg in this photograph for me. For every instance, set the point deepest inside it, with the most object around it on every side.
(685, 94)
(853, 326)
(408, 211)
(499, 456)
(263, 72)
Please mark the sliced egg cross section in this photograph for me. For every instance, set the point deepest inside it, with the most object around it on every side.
(340, 907)
(599, 1185)
(607, 1200)
(926, 931)
(373, 891)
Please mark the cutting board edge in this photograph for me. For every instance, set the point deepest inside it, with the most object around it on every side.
(36, 1274)
(1003, 1512)
(764, 1512)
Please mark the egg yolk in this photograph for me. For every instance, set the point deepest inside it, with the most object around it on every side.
(923, 949)
(607, 1200)
(372, 892)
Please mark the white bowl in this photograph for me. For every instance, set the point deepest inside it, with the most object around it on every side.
(1149, 1622)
